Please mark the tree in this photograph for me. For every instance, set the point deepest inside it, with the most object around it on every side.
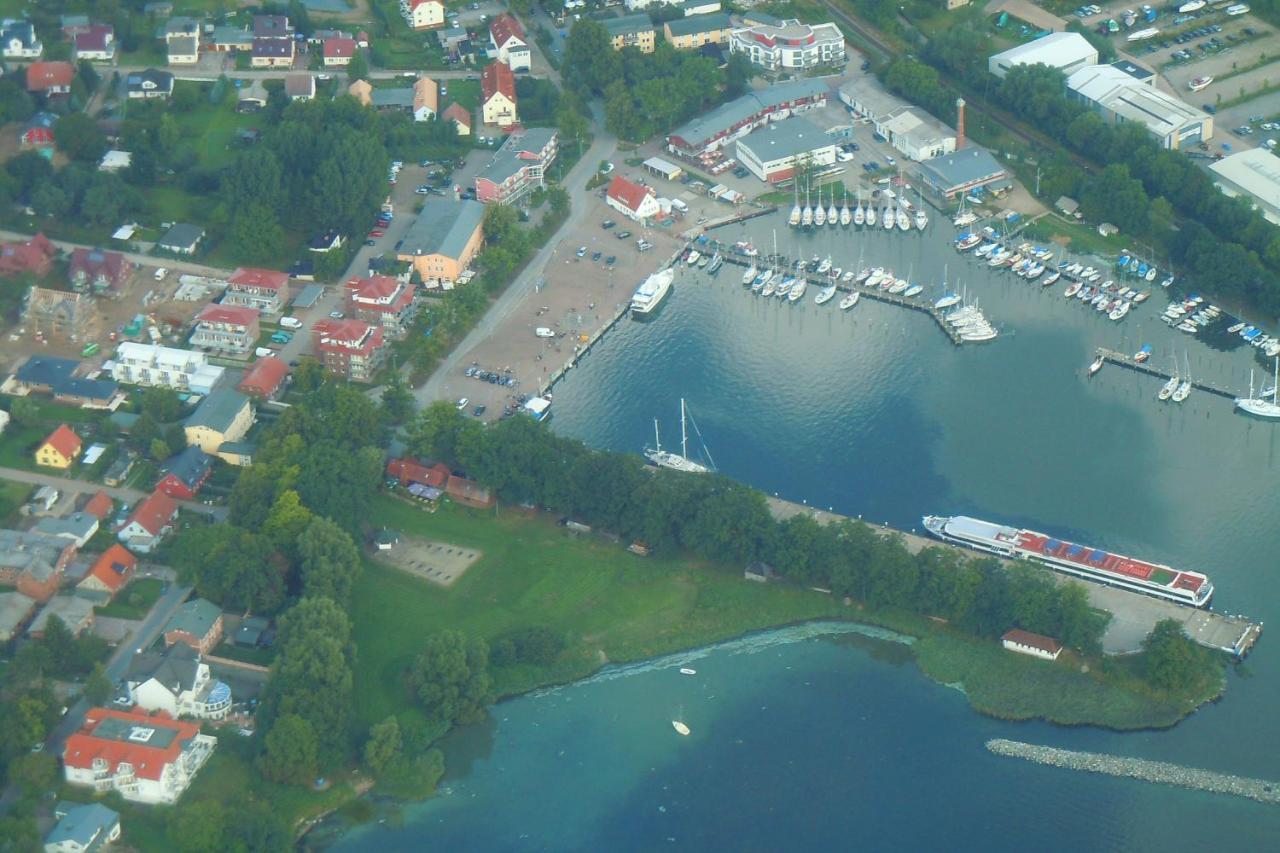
(286, 521)
(450, 677)
(78, 136)
(197, 826)
(98, 688)
(256, 233)
(162, 404)
(34, 773)
(24, 412)
(159, 450)
(290, 754)
(1171, 659)
(330, 561)
(397, 400)
(383, 744)
(438, 430)
(29, 171)
(589, 56)
(358, 67)
(738, 74)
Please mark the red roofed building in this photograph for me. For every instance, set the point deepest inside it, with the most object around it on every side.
(96, 43)
(99, 270)
(99, 506)
(229, 328)
(1027, 643)
(461, 118)
(265, 378)
(498, 95)
(50, 78)
(631, 199)
(509, 43)
(145, 758)
(111, 572)
(150, 522)
(338, 51)
(383, 301)
(350, 348)
(33, 256)
(409, 471)
(60, 449)
(265, 290)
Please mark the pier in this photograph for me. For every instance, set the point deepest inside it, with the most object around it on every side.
(741, 217)
(1133, 614)
(1123, 360)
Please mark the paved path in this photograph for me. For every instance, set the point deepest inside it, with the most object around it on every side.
(142, 260)
(119, 493)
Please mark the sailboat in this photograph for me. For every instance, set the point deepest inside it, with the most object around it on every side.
(886, 218)
(1184, 387)
(845, 216)
(903, 221)
(871, 216)
(949, 297)
(675, 461)
(833, 215)
(859, 215)
(806, 215)
(794, 219)
(922, 218)
(1260, 406)
(1167, 389)
(819, 212)
(749, 276)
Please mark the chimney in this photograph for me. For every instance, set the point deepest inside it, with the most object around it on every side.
(959, 123)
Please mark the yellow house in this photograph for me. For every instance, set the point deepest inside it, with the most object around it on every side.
(444, 239)
(60, 449)
(692, 32)
(631, 31)
(498, 95)
(222, 416)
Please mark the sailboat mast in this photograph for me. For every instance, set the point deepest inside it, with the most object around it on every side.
(657, 441)
(684, 438)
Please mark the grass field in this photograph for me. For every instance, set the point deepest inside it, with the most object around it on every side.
(12, 497)
(134, 600)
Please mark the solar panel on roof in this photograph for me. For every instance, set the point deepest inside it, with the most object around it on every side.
(1075, 550)
(1097, 556)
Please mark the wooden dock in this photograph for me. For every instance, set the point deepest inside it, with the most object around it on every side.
(1124, 360)
(741, 217)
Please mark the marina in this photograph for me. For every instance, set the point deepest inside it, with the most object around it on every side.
(1145, 366)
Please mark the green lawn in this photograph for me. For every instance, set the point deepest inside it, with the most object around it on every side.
(134, 600)
(465, 93)
(12, 497)
(612, 605)
(260, 657)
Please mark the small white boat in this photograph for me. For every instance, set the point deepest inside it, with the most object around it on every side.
(693, 257)
(860, 216)
(1151, 275)
(1200, 83)
(903, 221)
(922, 219)
(749, 275)
(680, 727)
(870, 216)
(833, 215)
(1072, 289)
(1097, 365)
(985, 333)
(1051, 279)
(797, 291)
(825, 295)
(684, 670)
(899, 285)
(886, 219)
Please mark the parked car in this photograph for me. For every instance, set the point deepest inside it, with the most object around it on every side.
(337, 315)
(607, 224)
(462, 403)
(582, 251)
(595, 256)
(622, 235)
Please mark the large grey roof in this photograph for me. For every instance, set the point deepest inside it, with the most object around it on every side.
(961, 167)
(506, 160)
(692, 24)
(392, 98)
(83, 824)
(181, 235)
(176, 668)
(14, 607)
(195, 617)
(77, 524)
(443, 228)
(218, 410)
(704, 128)
(627, 24)
(71, 609)
(785, 138)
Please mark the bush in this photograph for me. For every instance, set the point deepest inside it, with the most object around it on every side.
(535, 645)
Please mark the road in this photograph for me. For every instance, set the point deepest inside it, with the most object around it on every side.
(117, 493)
(171, 264)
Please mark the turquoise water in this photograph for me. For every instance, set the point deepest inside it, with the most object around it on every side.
(821, 744)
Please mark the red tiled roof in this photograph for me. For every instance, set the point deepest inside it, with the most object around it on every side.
(154, 512)
(264, 377)
(505, 27)
(31, 255)
(233, 314)
(65, 441)
(339, 47)
(259, 278)
(1035, 641)
(96, 38)
(347, 334)
(497, 77)
(148, 762)
(100, 506)
(459, 114)
(114, 567)
(627, 192)
(46, 75)
(93, 262)
(413, 4)
(411, 471)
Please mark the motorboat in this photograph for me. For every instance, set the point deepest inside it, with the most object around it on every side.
(1120, 312)
(863, 275)
(1051, 279)
(680, 727)
(825, 295)
(1189, 327)
(1096, 365)
(985, 333)
(967, 242)
(1167, 281)
(946, 301)
(1151, 275)
(825, 265)
(797, 292)
(1072, 289)
(693, 257)
(651, 292)
(1142, 354)
(899, 285)
(1200, 83)
(848, 276)
(913, 291)
(749, 275)
(769, 289)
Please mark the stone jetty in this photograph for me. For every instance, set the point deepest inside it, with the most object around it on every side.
(1161, 772)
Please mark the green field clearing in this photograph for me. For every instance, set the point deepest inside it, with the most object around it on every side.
(134, 600)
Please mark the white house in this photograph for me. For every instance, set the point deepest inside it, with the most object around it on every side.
(1068, 52)
(1027, 643)
(774, 152)
(82, 828)
(422, 14)
(149, 523)
(18, 41)
(916, 134)
(787, 45)
(146, 759)
(632, 200)
(177, 682)
(152, 364)
(508, 42)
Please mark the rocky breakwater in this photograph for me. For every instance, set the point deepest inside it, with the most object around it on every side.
(1138, 768)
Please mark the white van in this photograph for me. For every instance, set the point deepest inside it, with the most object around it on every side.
(291, 322)
(161, 273)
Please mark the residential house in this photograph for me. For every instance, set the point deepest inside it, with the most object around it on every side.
(145, 758)
(184, 50)
(273, 42)
(98, 270)
(34, 255)
(265, 378)
(704, 138)
(254, 631)
(469, 492)
(18, 41)
(43, 374)
(422, 14)
(382, 301)
(498, 95)
(362, 91)
(166, 367)
(518, 167)
(97, 43)
(421, 99)
(238, 453)
(300, 87)
(444, 239)
(228, 39)
(76, 613)
(77, 527)
(787, 45)
(15, 609)
(408, 472)
(60, 449)
(453, 39)
(183, 474)
(110, 573)
(227, 328)
(99, 506)
(197, 624)
(508, 42)
(632, 200)
(694, 31)
(1027, 643)
(426, 99)
(180, 27)
(265, 290)
(352, 349)
(82, 828)
(224, 415)
(461, 118)
(181, 239)
(338, 52)
(176, 682)
(149, 523)
(59, 314)
(37, 131)
(325, 241)
(34, 563)
(631, 31)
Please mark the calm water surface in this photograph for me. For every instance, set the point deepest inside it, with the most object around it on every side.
(818, 742)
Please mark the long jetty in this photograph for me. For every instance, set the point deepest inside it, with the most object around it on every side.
(734, 255)
(1160, 772)
(1124, 360)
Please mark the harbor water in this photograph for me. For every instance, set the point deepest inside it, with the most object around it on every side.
(814, 743)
